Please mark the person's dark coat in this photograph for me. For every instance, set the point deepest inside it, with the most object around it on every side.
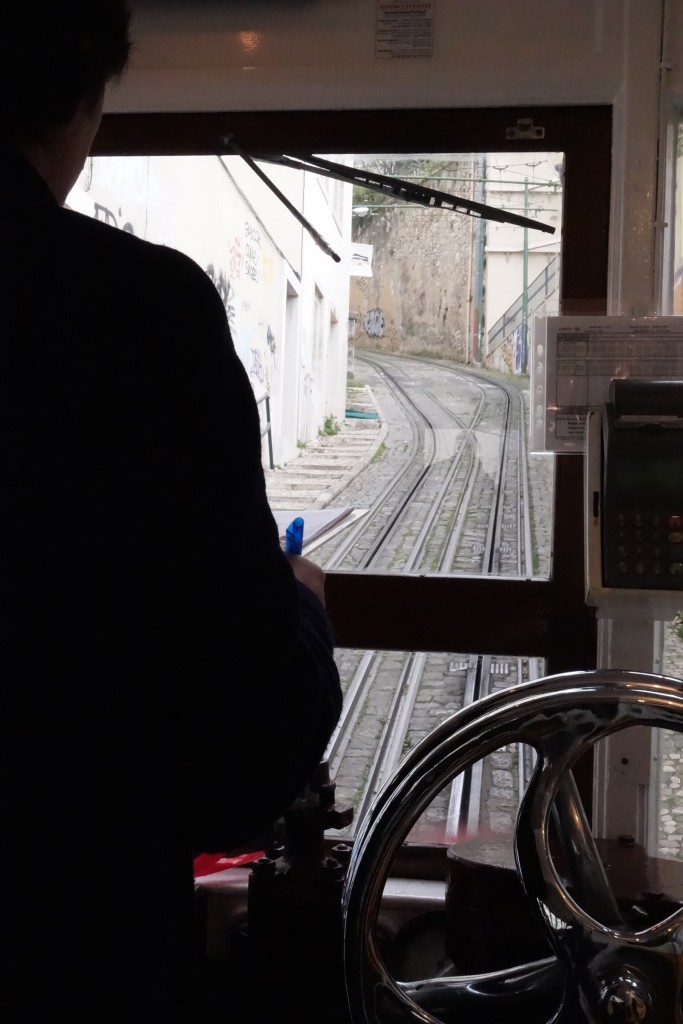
(166, 686)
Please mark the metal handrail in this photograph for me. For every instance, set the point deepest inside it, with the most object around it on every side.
(267, 429)
(544, 283)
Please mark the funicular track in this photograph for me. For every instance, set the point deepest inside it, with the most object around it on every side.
(420, 474)
(454, 507)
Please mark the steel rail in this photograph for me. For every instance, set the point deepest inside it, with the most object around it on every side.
(365, 525)
(396, 727)
(404, 507)
(362, 682)
(466, 795)
(394, 732)
(354, 699)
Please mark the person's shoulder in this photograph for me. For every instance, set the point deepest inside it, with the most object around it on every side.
(140, 263)
(127, 253)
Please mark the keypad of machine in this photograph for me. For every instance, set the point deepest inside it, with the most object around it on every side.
(649, 545)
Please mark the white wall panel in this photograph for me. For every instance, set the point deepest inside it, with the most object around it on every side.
(275, 54)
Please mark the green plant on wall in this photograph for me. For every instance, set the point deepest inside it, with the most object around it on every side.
(678, 625)
(418, 172)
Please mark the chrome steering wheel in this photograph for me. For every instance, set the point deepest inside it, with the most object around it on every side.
(610, 971)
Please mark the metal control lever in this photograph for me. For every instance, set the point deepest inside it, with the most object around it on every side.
(294, 922)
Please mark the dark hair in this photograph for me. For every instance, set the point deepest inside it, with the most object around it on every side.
(53, 55)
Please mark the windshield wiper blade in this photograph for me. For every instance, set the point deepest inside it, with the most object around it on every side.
(382, 183)
(229, 143)
(405, 190)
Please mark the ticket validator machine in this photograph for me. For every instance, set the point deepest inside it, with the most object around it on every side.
(634, 574)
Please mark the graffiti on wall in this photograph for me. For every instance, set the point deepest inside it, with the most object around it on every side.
(373, 322)
(235, 258)
(244, 264)
(224, 287)
(256, 368)
(257, 342)
(252, 251)
(519, 348)
(246, 259)
(107, 216)
(267, 269)
(508, 354)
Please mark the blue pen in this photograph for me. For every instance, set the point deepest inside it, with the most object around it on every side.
(294, 537)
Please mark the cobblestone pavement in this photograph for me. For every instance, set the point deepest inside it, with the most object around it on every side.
(670, 799)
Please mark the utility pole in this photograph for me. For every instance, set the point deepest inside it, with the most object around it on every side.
(525, 284)
(480, 265)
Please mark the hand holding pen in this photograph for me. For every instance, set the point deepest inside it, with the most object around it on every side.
(294, 537)
(307, 572)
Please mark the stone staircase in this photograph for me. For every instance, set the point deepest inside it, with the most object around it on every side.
(328, 462)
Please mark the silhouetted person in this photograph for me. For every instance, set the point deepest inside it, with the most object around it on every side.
(167, 683)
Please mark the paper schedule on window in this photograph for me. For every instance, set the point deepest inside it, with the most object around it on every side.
(576, 357)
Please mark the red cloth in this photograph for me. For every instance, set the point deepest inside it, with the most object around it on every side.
(210, 863)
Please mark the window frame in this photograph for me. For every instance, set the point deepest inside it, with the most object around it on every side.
(537, 618)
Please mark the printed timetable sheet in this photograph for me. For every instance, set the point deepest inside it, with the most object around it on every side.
(576, 357)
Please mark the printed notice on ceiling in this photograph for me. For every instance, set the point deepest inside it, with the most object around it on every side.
(404, 28)
(576, 357)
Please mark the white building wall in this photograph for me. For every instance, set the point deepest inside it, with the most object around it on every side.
(505, 274)
(326, 367)
(507, 174)
(286, 232)
(219, 213)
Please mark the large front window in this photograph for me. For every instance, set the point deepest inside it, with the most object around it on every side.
(397, 379)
